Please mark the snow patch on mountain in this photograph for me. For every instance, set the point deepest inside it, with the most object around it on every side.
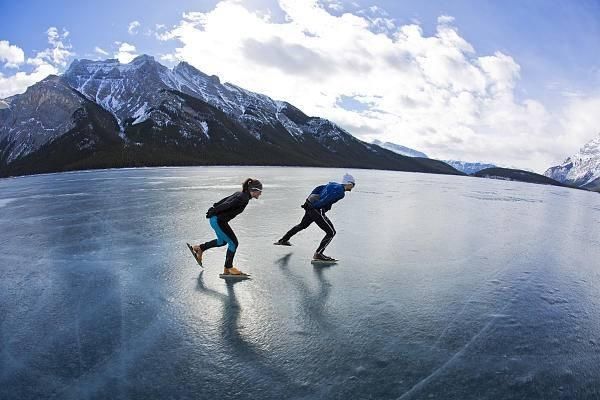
(399, 149)
(469, 168)
(325, 129)
(580, 169)
(204, 127)
(141, 114)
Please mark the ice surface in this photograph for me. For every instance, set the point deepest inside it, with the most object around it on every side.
(447, 287)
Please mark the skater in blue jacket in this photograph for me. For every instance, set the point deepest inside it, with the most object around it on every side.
(317, 204)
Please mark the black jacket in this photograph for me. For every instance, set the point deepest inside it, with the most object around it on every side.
(228, 208)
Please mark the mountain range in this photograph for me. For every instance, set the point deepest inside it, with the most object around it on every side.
(509, 174)
(468, 168)
(102, 114)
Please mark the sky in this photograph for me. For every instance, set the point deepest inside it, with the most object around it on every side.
(515, 82)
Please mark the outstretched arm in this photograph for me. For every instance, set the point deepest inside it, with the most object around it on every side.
(229, 202)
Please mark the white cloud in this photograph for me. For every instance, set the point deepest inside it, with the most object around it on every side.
(100, 51)
(434, 93)
(334, 5)
(49, 61)
(58, 54)
(161, 33)
(378, 10)
(169, 58)
(579, 123)
(20, 81)
(445, 19)
(126, 52)
(11, 55)
(133, 27)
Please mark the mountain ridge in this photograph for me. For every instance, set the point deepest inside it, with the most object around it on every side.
(520, 176)
(178, 116)
(467, 167)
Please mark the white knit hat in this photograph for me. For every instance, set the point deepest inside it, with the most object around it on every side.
(348, 179)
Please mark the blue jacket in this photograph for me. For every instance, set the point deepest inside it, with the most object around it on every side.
(322, 197)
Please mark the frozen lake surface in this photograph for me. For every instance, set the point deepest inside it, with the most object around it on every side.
(448, 288)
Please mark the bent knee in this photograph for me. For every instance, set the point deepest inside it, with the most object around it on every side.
(232, 246)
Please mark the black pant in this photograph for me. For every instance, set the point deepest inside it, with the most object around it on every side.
(317, 216)
(225, 236)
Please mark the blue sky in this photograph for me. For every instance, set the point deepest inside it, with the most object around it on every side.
(542, 55)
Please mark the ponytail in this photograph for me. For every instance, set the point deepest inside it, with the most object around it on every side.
(245, 185)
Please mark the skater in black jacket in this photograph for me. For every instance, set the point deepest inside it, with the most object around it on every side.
(219, 216)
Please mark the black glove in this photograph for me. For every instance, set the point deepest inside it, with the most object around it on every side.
(210, 213)
(307, 205)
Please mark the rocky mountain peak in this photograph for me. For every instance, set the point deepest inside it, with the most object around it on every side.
(37, 116)
(184, 66)
(591, 148)
(143, 58)
(580, 169)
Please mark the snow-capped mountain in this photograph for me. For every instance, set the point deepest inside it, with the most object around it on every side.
(132, 92)
(148, 114)
(581, 169)
(136, 91)
(468, 168)
(399, 149)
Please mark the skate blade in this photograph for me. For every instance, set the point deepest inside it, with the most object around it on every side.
(234, 277)
(323, 262)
